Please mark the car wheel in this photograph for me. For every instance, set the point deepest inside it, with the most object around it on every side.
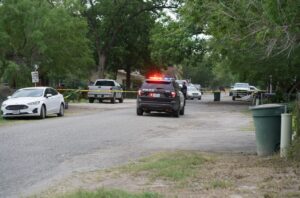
(91, 100)
(139, 111)
(61, 111)
(176, 113)
(182, 111)
(233, 97)
(113, 100)
(199, 98)
(121, 99)
(43, 112)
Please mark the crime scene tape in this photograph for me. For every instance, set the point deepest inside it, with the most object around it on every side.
(110, 91)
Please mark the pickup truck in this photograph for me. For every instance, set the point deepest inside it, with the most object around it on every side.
(105, 89)
(240, 90)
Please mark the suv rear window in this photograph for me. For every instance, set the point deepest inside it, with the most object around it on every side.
(166, 85)
(105, 83)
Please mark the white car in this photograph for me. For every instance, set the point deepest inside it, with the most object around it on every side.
(33, 101)
(193, 92)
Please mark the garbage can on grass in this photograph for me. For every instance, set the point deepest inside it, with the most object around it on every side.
(217, 96)
(267, 121)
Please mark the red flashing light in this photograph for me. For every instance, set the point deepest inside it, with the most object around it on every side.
(155, 78)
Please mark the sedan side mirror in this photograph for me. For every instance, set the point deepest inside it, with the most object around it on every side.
(48, 95)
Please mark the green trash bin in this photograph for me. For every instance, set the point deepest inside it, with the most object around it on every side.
(267, 121)
(217, 96)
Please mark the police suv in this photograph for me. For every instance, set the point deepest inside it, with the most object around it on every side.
(161, 95)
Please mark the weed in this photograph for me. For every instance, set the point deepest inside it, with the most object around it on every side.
(220, 184)
(175, 166)
(104, 193)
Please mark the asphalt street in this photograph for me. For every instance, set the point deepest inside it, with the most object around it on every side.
(36, 153)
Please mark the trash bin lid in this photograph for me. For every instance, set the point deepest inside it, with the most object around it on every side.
(266, 106)
(267, 110)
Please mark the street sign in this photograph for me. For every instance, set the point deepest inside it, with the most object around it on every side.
(35, 76)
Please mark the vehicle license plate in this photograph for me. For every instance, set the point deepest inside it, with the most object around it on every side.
(15, 112)
(195, 94)
(155, 95)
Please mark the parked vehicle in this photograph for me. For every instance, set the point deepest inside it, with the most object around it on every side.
(240, 90)
(33, 101)
(105, 89)
(193, 92)
(180, 82)
(162, 95)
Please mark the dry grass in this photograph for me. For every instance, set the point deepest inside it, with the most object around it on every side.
(211, 175)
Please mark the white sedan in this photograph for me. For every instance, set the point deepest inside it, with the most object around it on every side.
(193, 92)
(33, 101)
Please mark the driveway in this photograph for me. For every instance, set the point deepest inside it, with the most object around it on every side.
(36, 153)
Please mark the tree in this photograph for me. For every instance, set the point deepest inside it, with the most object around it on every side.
(43, 33)
(253, 38)
(109, 18)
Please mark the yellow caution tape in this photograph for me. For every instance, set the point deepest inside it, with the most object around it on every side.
(111, 91)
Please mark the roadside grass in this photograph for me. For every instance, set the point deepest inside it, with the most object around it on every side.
(2, 121)
(223, 184)
(174, 166)
(109, 193)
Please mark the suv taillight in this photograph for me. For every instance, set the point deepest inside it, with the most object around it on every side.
(139, 92)
(173, 94)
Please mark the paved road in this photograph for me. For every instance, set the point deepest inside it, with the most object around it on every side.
(36, 153)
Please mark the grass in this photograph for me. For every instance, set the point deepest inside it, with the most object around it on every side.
(220, 184)
(105, 193)
(2, 121)
(175, 166)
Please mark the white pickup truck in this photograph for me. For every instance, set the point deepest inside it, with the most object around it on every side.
(105, 89)
(240, 90)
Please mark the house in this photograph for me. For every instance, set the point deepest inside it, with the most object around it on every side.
(136, 78)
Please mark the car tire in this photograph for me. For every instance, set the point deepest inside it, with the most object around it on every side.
(91, 100)
(121, 99)
(233, 98)
(113, 100)
(61, 112)
(199, 98)
(139, 111)
(43, 112)
(182, 111)
(176, 113)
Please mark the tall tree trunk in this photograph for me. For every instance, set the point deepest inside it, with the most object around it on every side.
(128, 76)
(101, 65)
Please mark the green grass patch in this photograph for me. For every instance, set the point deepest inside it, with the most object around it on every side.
(220, 184)
(104, 193)
(3, 121)
(175, 166)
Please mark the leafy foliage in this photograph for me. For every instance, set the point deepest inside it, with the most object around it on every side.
(37, 32)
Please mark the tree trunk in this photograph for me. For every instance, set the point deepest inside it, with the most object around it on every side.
(128, 77)
(101, 65)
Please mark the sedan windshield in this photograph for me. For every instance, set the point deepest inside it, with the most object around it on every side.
(28, 93)
(192, 89)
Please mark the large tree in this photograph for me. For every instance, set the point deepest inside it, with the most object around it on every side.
(110, 18)
(45, 33)
(255, 39)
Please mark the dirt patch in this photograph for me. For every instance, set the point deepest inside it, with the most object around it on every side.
(223, 175)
